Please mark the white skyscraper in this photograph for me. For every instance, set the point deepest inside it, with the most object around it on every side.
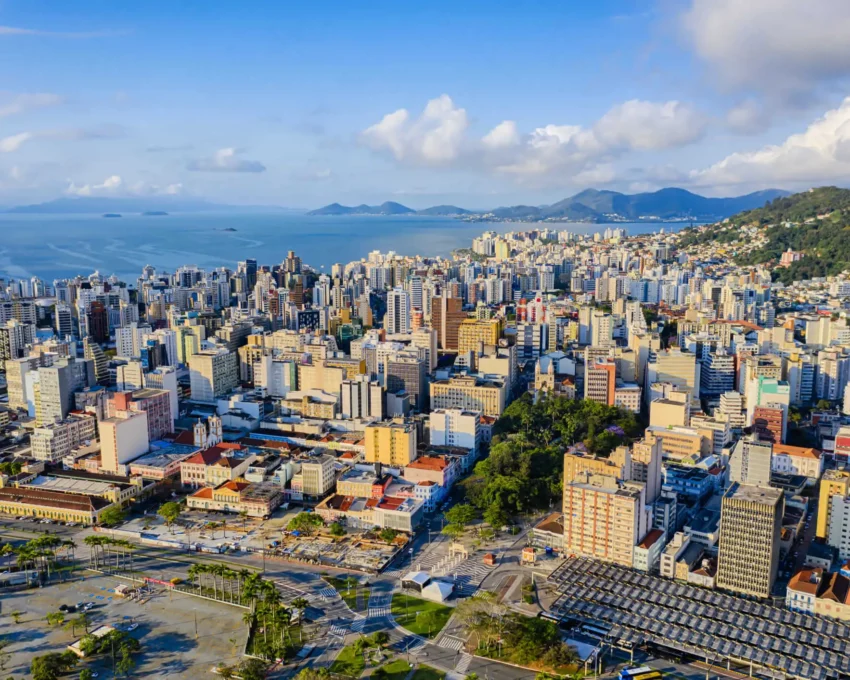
(397, 319)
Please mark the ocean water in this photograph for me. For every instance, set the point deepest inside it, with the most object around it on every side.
(57, 246)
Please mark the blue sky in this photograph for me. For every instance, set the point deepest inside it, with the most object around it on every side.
(477, 104)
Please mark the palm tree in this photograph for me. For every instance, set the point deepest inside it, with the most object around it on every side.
(7, 551)
(300, 604)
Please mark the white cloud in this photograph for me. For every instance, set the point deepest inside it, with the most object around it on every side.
(20, 103)
(820, 154)
(641, 125)
(110, 185)
(439, 136)
(225, 160)
(114, 185)
(434, 138)
(785, 48)
(14, 142)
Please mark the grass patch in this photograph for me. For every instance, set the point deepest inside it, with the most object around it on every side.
(419, 616)
(341, 585)
(428, 673)
(349, 663)
(396, 670)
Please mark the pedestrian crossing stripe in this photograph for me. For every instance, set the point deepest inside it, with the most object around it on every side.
(463, 663)
(450, 642)
(376, 612)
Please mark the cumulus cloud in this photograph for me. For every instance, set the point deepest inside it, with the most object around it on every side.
(114, 185)
(225, 160)
(440, 136)
(434, 138)
(13, 104)
(819, 154)
(784, 48)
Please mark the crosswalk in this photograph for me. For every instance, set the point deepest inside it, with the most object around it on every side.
(379, 612)
(339, 631)
(358, 624)
(463, 663)
(450, 642)
(289, 593)
(408, 643)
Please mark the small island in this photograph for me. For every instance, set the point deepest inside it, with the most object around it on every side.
(154, 213)
(112, 214)
(228, 229)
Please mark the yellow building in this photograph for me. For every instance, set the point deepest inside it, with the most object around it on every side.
(833, 483)
(391, 443)
(473, 333)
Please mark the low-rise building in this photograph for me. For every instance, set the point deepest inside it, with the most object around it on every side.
(797, 460)
(237, 496)
(647, 554)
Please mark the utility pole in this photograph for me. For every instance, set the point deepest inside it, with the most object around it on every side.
(195, 612)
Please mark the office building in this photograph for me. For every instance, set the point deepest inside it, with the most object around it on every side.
(750, 526)
(751, 462)
(397, 319)
(455, 427)
(362, 398)
(212, 374)
(123, 437)
(470, 393)
(446, 317)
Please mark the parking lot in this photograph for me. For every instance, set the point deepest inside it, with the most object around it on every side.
(165, 627)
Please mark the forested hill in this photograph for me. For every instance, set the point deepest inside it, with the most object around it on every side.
(815, 223)
(798, 208)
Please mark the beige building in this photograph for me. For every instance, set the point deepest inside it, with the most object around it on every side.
(669, 413)
(679, 443)
(470, 393)
(318, 475)
(122, 438)
(603, 518)
(646, 467)
(750, 526)
(212, 374)
(51, 443)
(391, 443)
(618, 464)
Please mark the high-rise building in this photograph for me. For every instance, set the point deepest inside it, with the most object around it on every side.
(53, 441)
(455, 427)
(391, 443)
(212, 374)
(64, 320)
(122, 438)
(646, 467)
(473, 333)
(676, 367)
(750, 526)
(470, 393)
(769, 422)
(397, 319)
(717, 375)
(604, 518)
(751, 462)
(14, 337)
(97, 322)
(409, 374)
(600, 382)
(446, 317)
(362, 398)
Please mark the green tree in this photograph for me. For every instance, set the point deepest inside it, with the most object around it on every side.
(86, 674)
(322, 673)
(170, 511)
(125, 663)
(112, 516)
(824, 405)
(380, 638)
(337, 529)
(252, 669)
(496, 517)
(305, 522)
(387, 534)
(463, 514)
(453, 531)
(51, 666)
(56, 618)
(4, 655)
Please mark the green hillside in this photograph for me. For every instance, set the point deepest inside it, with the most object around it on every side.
(814, 222)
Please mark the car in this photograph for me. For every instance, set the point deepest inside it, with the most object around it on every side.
(71, 524)
(95, 674)
(63, 608)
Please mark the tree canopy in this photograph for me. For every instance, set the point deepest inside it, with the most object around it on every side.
(524, 469)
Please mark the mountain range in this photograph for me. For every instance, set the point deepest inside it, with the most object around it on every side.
(590, 205)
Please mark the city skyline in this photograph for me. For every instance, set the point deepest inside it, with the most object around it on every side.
(301, 106)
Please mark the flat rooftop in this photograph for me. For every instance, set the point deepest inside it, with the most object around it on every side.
(87, 487)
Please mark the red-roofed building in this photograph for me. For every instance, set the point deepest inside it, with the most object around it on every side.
(441, 470)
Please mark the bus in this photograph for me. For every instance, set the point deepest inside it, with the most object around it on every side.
(642, 673)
